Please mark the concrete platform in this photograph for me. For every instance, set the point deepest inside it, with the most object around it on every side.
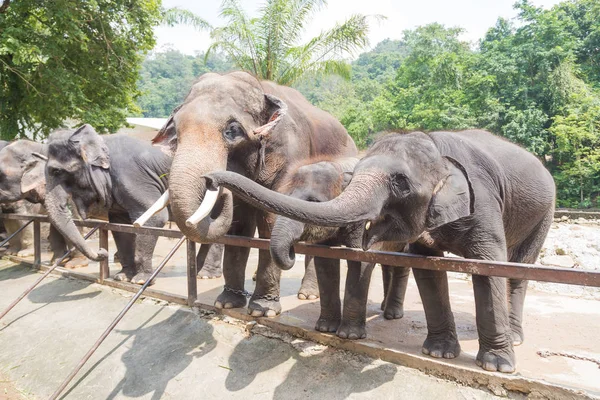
(165, 351)
(560, 357)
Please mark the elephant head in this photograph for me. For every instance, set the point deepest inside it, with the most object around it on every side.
(78, 166)
(22, 166)
(221, 126)
(314, 182)
(401, 189)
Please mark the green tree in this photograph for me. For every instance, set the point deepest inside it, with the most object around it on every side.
(269, 46)
(71, 59)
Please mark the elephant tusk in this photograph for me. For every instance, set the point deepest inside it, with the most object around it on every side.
(161, 203)
(209, 201)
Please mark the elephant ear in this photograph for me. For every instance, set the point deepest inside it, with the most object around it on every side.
(166, 138)
(33, 182)
(91, 146)
(452, 197)
(273, 112)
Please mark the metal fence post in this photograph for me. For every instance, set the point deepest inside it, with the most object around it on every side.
(37, 244)
(192, 272)
(104, 270)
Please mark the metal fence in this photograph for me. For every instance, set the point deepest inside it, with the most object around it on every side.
(478, 267)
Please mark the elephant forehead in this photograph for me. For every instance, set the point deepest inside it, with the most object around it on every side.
(226, 90)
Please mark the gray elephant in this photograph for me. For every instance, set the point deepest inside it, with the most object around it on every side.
(237, 123)
(319, 181)
(470, 193)
(22, 163)
(113, 174)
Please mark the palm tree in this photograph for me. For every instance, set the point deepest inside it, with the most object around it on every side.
(268, 46)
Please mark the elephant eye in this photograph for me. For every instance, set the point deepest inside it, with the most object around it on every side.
(400, 184)
(233, 131)
(55, 171)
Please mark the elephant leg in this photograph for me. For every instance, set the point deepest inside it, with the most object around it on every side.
(235, 259)
(265, 300)
(527, 252)
(144, 248)
(354, 319)
(394, 298)
(309, 289)
(209, 261)
(441, 340)
(328, 279)
(496, 351)
(20, 245)
(125, 243)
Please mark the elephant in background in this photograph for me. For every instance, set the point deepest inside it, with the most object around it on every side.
(235, 122)
(469, 193)
(22, 162)
(318, 181)
(116, 175)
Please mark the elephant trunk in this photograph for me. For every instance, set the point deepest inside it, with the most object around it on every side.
(56, 205)
(362, 200)
(187, 190)
(286, 232)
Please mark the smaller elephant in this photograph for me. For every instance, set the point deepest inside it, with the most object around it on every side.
(22, 163)
(320, 180)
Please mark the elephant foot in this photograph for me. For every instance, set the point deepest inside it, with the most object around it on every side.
(393, 311)
(123, 276)
(352, 330)
(210, 272)
(501, 360)
(309, 290)
(325, 324)
(260, 307)
(229, 299)
(443, 345)
(77, 262)
(25, 253)
(142, 277)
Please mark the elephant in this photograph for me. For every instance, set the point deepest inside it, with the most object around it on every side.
(322, 180)
(257, 128)
(116, 175)
(470, 193)
(21, 163)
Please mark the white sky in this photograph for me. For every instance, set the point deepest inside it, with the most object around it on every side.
(475, 16)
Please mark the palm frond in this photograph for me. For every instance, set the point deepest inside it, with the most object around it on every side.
(174, 16)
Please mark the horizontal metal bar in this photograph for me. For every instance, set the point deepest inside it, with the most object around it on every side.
(478, 267)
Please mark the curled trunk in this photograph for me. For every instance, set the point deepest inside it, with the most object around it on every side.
(285, 234)
(361, 200)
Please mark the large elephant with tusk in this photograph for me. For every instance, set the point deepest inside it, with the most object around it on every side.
(237, 123)
(469, 193)
(116, 175)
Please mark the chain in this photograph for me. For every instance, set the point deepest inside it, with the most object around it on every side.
(268, 297)
(236, 291)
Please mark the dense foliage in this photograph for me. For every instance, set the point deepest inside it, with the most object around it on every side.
(535, 80)
(71, 59)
